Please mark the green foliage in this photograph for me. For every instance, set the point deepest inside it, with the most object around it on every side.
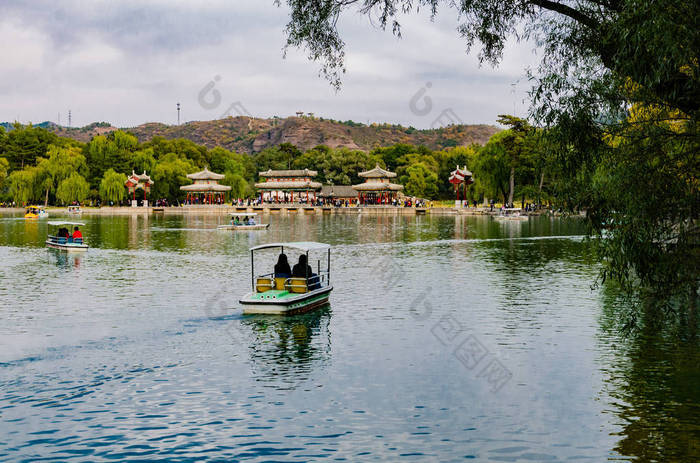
(73, 188)
(239, 186)
(24, 144)
(336, 166)
(143, 161)
(4, 168)
(170, 174)
(112, 187)
(58, 166)
(420, 180)
(22, 185)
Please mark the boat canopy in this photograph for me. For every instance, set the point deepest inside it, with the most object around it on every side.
(300, 245)
(61, 223)
(243, 214)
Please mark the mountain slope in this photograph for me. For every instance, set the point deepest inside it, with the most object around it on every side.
(251, 135)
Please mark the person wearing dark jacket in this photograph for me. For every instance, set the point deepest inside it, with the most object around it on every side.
(282, 269)
(303, 270)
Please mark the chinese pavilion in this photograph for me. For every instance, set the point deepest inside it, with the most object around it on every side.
(206, 188)
(377, 188)
(461, 177)
(136, 181)
(281, 185)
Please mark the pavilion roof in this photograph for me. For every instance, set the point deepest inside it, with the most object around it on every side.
(377, 172)
(288, 173)
(338, 191)
(377, 186)
(206, 174)
(205, 187)
(305, 185)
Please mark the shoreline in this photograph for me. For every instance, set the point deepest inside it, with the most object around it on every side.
(279, 209)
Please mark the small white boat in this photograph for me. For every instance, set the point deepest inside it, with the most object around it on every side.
(74, 210)
(511, 213)
(36, 212)
(244, 221)
(66, 243)
(282, 295)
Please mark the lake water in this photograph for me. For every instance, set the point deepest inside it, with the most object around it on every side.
(447, 338)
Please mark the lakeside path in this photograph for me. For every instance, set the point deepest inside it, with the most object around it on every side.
(275, 209)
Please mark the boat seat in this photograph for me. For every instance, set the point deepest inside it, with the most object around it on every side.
(263, 284)
(279, 282)
(297, 285)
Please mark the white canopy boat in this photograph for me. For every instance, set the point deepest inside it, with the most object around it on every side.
(511, 213)
(240, 221)
(284, 294)
(66, 243)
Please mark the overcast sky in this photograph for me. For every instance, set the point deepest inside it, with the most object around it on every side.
(130, 62)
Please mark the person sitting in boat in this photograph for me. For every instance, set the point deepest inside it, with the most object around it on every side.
(282, 269)
(63, 233)
(235, 221)
(251, 220)
(303, 270)
(77, 234)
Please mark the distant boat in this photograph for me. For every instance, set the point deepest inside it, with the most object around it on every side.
(240, 221)
(36, 212)
(74, 210)
(511, 213)
(289, 295)
(66, 243)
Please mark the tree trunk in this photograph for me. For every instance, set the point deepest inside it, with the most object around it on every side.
(46, 200)
(539, 191)
(512, 186)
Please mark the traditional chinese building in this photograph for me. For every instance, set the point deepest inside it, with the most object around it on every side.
(460, 178)
(377, 188)
(288, 185)
(135, 182)
(338, 193)
(206, 188)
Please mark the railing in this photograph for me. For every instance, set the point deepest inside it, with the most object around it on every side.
(64, 240)
(267, 281)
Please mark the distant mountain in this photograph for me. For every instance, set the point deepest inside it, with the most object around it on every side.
(251, 135)
(48, 125)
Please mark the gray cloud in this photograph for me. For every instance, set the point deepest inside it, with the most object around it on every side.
(129, 62)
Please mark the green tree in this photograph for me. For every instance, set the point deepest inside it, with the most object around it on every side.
(112, 187)
(240, 188)
(58, 166)
(143, 161)
(170, 174)
(420, 180)
(114, 151)
(24, 144)
(4, 168)
(73, 188)
(22, 185)
(599, 60)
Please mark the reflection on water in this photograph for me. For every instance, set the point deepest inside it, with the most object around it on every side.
(137, 350)
(285, 349)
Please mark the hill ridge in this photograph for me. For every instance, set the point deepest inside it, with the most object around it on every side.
(250, 135)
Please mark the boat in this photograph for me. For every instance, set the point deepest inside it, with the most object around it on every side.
(74, 210)
(36, 212)
(270, 295)
(66, 243)
(511, 213)
(243, 216)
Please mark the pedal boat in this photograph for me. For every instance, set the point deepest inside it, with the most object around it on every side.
(74, 210)
(280, 296)
(36, 212)
(242, 226)
(511, 213)
(66, 244)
